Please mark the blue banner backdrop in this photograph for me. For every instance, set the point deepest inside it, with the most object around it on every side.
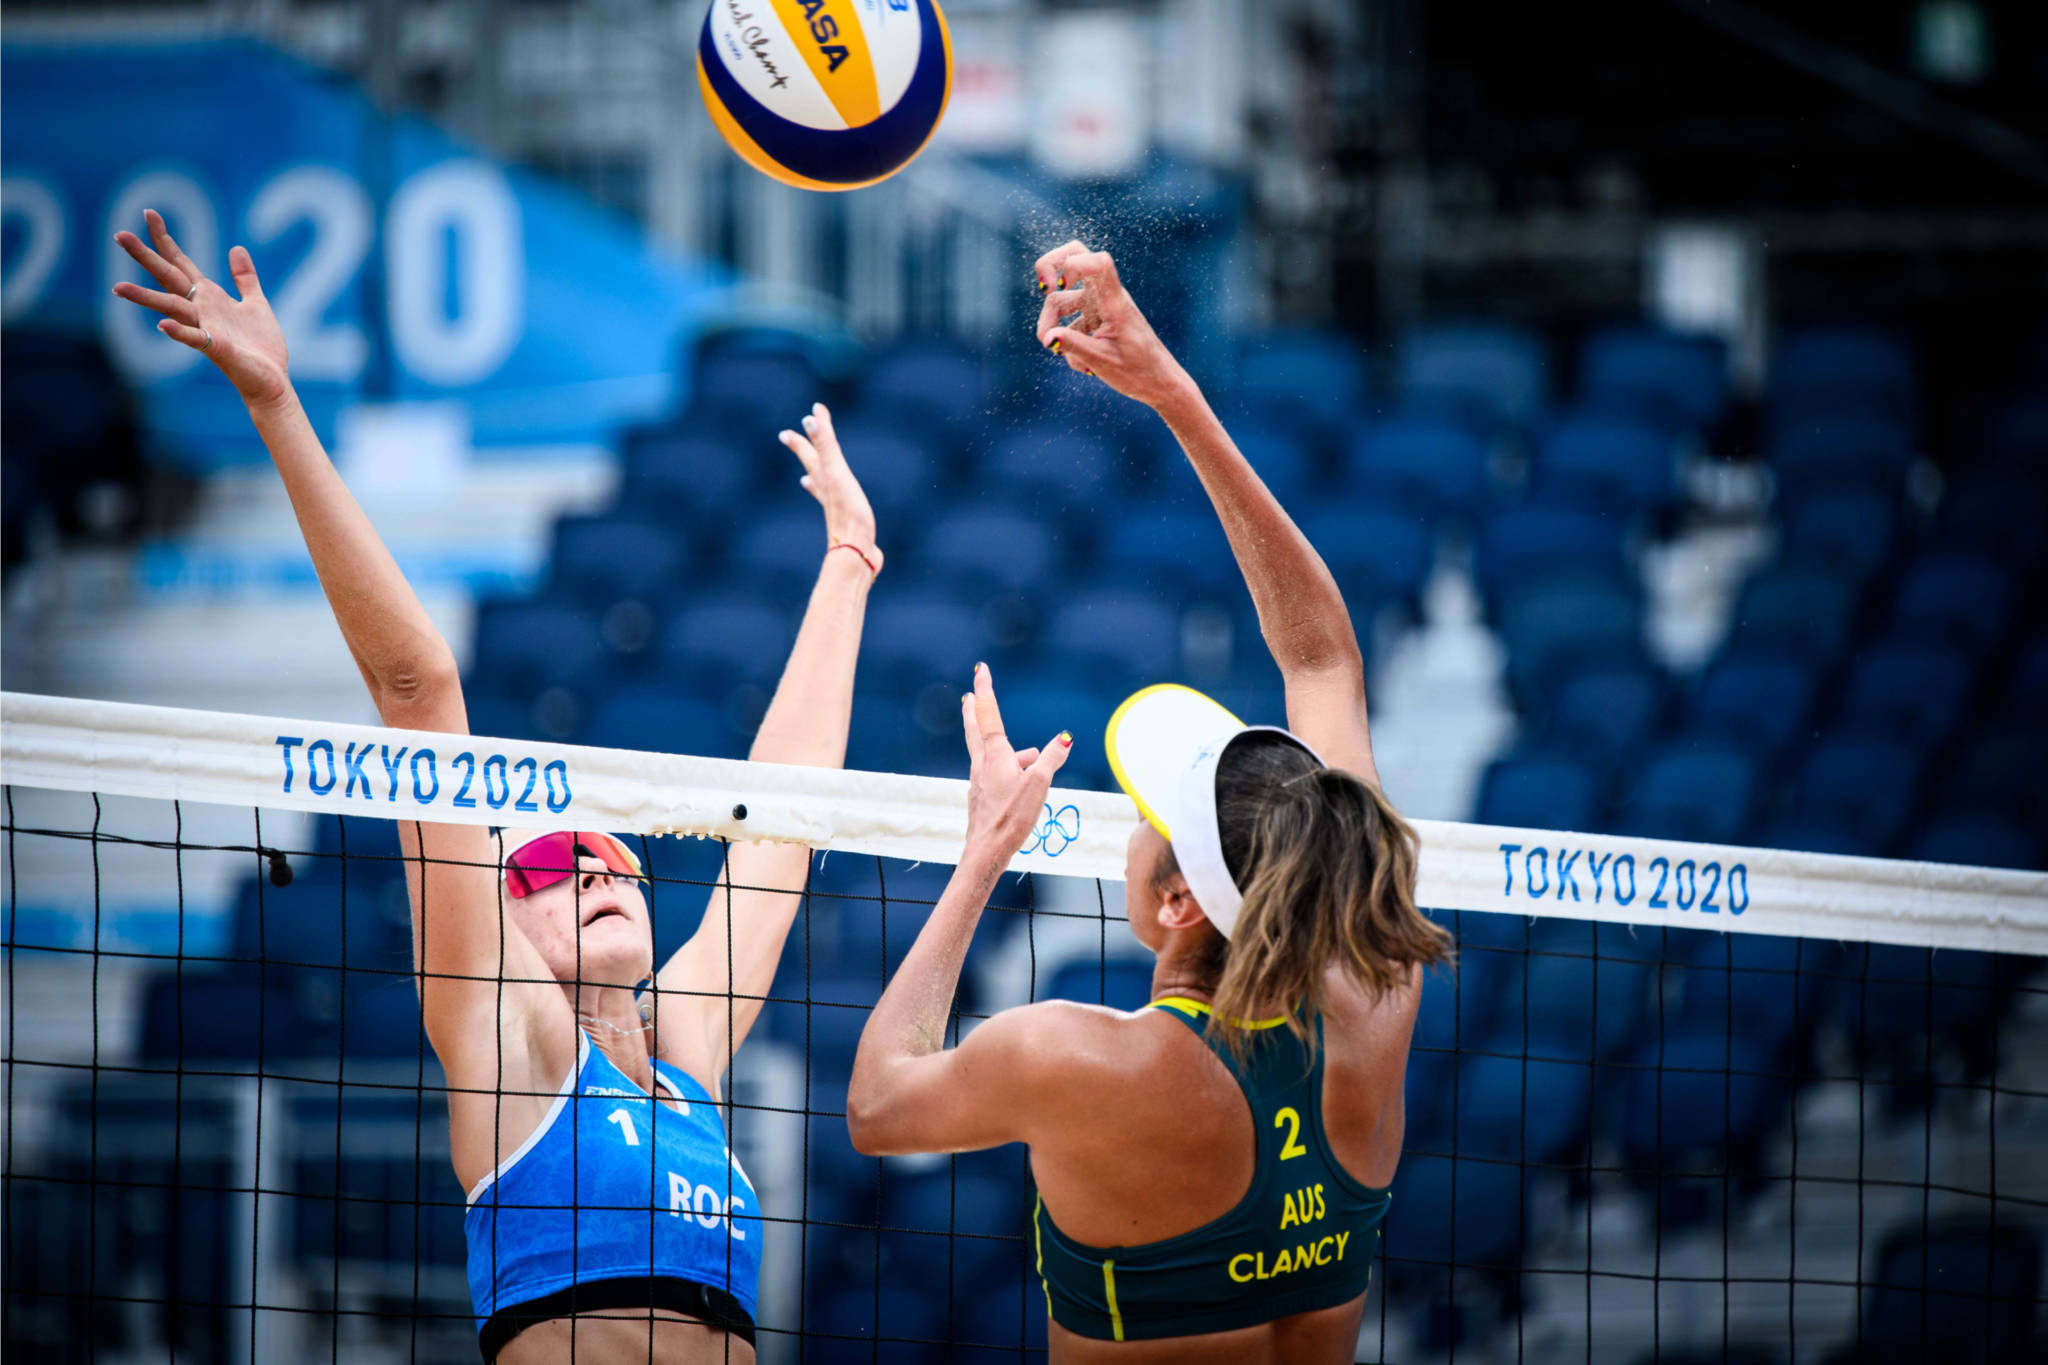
(403, 265)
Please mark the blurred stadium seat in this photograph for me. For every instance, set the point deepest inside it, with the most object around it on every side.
(1679, 377)
(1488, 370)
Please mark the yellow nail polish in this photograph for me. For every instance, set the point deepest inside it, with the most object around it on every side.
(1055, 348)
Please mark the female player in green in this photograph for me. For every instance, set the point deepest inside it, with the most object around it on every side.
(1212, 1169)
(608, 1221)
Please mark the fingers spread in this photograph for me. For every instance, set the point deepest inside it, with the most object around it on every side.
(803, 450)
(172, 252)
(170, 305)
(161, 270)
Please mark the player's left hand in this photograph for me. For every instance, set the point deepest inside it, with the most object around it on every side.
(1006, 787)
(849, 520)
(1109, 336)
(240, 335)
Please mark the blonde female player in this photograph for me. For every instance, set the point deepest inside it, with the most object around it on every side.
(1212, 1169)
(608, 1221)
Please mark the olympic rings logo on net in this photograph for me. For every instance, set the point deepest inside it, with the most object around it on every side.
(1056, 833)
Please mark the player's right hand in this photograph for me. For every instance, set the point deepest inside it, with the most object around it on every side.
(1109, 337)
(241, 336)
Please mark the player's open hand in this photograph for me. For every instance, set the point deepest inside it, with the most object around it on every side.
(1005, 787)
(849, 520)
(241, 336)
(1108, 336)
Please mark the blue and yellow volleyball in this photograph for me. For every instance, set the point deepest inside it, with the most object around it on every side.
(826, 94)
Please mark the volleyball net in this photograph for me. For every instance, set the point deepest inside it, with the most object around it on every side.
(1676, 1102)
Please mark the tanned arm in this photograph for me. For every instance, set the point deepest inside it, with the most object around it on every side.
(909, 1093)
(1301, 612)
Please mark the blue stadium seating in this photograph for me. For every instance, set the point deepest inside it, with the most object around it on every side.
(600, 560)
(926, 378)
(919, 637)
(909, 1320)
(1845, 368)
(1827, 451)
(1539, 791)
(1543, 535)
(1438, 463)
(897, 466)
(1621, 462)
(1799, 607)
(1376, 554)
(1758, 700)
(2026, 692)
(1679, 377)
(1998, 516)
(240, 1014)
(2018, 440)
(325, 918)
(1813, 834)
(1170, 547)
(778, 550)
(1771, 990)
(1960, 599)
(1038, 705)
(1582, 1008)
(1868, 784)
(1051, 465)
(988, 1220)
(1964, 1291)
(1127, 636)
(1459, 1008)
(1704, 1096)
(1470, 1211)
(1999, 774)
(1515, 1110)
(680, 477)
(1851, 530)
(720, 639)
(1692, 787)
(1558, 624)
(1489, 370)
(1915, 693)
(1976, 841)
(661, 721)
(988, 548)
(750, 394)
(1317, 375)
(521, 646)
(1606, 714)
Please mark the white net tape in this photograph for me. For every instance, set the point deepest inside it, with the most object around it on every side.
(256, 761)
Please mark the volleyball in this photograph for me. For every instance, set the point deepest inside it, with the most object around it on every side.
(825, 94)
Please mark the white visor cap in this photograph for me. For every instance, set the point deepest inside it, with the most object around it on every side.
(1164, 744)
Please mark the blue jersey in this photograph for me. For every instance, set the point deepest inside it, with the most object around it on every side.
(615, 1201)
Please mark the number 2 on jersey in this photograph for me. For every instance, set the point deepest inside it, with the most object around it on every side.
(1290, 1120)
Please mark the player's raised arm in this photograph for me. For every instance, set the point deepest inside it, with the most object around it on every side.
(909, 1091)
(1091, 321)
(712, 989)
(464, 946)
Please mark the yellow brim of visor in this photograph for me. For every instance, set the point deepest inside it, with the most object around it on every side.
(1164, 743)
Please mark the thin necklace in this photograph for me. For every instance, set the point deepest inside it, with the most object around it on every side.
(594, 1021)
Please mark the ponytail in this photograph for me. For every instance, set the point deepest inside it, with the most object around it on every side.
(1327, 867)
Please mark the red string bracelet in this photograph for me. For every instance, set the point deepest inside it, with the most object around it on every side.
(873, 568)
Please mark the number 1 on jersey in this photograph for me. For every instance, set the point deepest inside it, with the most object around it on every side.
(625, 1122)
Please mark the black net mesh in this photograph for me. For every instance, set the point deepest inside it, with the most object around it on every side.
(226, 1138)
